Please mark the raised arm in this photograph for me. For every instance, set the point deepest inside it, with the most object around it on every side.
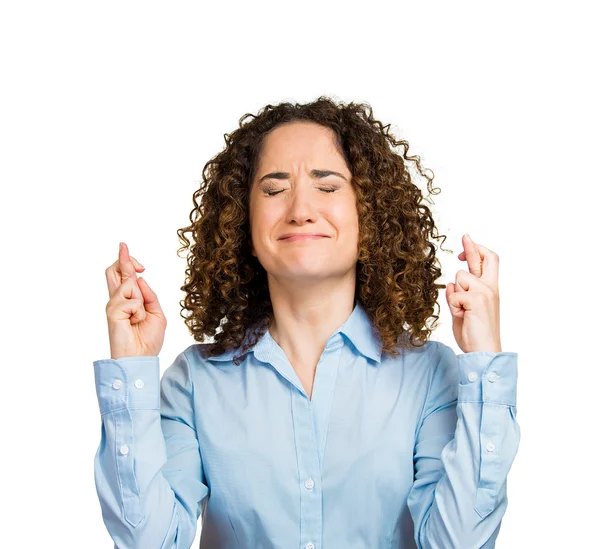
(148, 469)
(466, 442)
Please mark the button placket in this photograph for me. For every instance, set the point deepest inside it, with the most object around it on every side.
(311, 519)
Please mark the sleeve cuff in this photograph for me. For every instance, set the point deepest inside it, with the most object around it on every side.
(128, 382)
(488, 377)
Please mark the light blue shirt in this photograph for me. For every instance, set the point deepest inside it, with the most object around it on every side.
(388, 453)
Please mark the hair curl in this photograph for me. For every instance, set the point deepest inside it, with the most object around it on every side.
(396, 269)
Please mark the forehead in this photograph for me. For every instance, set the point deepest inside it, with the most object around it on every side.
(297, 142)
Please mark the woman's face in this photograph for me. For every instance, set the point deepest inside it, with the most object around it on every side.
(297, 162)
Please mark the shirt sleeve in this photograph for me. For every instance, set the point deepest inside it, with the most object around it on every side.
(147, 469)
(466, 441)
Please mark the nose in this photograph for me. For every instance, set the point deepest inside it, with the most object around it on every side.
(302, 208)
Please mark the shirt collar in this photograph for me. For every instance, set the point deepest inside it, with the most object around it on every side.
(358, 328)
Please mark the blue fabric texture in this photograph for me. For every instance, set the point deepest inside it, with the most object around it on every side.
(406, 452)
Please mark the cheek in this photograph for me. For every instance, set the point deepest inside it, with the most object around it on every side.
(263, 226)
(345, 217)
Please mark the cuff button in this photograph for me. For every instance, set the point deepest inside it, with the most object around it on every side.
(117, 384)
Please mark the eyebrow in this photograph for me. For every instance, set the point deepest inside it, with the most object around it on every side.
(313, 173)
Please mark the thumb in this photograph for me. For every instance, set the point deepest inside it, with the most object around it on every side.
(151, 303)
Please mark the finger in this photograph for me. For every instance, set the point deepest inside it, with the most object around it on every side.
(129, 289)
(466, 282)
(488, 261)
(136, 263)
(113, 274)
(474, 259)
(121, 308)
(125, 264)
(135, 309)
(450, 290)
(462, 300)
(151, 303)
(491, 266)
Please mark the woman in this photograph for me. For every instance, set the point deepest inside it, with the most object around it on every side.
(322, 416)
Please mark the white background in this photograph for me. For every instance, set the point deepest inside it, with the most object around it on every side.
(110, 110)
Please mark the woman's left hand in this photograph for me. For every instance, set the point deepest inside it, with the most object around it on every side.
(474, 300)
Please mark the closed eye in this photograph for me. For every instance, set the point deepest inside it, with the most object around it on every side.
(271, 193)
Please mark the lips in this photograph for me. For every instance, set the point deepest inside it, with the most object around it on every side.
(289, 235)
(296, 237)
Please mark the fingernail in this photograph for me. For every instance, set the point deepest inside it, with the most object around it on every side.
(468, 237)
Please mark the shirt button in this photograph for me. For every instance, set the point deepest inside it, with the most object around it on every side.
(492, 376)
(139, 383)
(472, 376)
(310, 545)
(124, 449)
(309, 483)
(117, 384)
(490, 447)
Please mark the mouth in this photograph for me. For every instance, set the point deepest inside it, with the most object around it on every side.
(302, 237)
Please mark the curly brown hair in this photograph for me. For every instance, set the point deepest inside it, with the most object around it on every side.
(397, 266)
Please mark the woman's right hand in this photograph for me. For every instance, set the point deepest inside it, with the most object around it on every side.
(136, 322)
